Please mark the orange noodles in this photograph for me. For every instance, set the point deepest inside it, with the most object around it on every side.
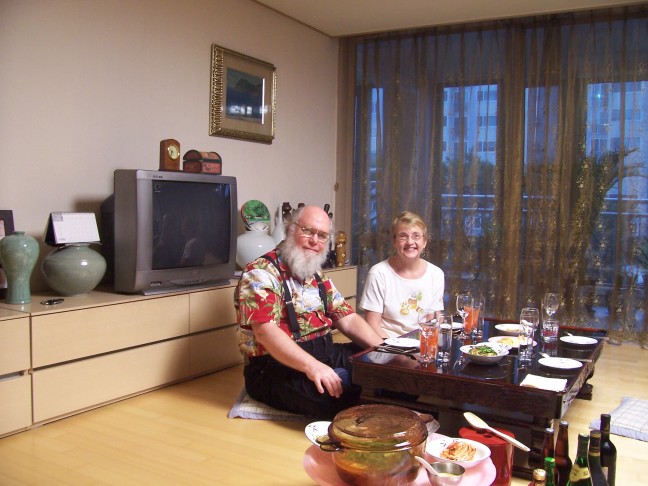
(459, 451)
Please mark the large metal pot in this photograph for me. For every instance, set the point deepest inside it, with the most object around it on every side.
(376, 444)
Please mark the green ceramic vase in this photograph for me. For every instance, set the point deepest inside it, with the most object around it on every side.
(18, 254)
(73, 269)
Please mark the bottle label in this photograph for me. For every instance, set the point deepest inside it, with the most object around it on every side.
(578, 473)
(605, 470)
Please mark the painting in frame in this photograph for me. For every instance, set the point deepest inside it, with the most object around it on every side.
(243, 96)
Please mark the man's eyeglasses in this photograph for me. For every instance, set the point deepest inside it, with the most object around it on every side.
(413, 236)
(309, 232)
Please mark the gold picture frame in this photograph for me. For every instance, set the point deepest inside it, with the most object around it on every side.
(243, 102)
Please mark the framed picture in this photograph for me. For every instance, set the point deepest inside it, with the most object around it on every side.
(6, 222)
(243, 96)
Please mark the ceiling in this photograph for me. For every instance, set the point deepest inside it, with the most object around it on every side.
(337, 18)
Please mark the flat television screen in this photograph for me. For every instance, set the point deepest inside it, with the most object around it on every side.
(170, 230)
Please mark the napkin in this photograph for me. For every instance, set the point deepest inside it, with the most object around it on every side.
(553, 384)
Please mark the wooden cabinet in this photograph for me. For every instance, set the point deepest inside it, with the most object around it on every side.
(15, 380)
(91, 350)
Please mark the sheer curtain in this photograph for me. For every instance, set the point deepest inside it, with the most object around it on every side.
(524, 145)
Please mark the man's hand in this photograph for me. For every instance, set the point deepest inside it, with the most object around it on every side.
(325, 378)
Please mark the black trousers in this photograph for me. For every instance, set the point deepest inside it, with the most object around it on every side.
(284, 388)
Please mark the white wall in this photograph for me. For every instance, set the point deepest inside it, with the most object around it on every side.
(87, 87)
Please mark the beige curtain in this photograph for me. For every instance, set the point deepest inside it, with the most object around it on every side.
(524, 144)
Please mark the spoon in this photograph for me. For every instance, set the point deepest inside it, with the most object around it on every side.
(478, 423)
(426, 465)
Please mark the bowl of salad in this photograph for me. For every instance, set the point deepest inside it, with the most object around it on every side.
(484, 353)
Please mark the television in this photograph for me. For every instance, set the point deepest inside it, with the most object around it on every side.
(164, 231)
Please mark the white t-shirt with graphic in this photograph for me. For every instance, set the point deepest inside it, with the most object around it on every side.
(398, 298)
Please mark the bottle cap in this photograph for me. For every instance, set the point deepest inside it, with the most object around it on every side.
(539, 474)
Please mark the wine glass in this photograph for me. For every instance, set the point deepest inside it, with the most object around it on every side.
(465, 304)
(550, 303)
(529, 320)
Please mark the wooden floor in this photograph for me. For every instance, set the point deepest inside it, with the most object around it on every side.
(181, 435)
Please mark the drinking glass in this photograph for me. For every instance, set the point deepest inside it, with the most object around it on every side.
(444, 344)
(550, 303)
(465, 304)
(429, 334)
(477, 318)
(529, 319)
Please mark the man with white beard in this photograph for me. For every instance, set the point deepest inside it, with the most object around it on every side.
(286, 310)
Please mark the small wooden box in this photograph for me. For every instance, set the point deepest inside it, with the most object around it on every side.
(203, 166)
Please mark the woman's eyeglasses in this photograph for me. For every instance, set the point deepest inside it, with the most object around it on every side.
(413, 236)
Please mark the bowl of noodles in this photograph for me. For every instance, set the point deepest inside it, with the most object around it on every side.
(484, 353)
(465, 452)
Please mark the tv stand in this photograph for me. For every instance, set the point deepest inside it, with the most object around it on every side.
(91, 350)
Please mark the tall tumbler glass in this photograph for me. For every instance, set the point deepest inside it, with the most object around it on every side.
(444, 345)
(428, 333)
(529, 319)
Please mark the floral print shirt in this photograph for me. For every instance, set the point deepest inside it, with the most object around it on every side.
(259, 298)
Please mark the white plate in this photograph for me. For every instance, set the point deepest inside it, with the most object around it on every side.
(403, 342)
(511, 341)
(508, 329)
(560, 363)
(315, 430)
(578, 340)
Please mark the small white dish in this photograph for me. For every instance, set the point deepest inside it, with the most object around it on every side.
(315, 430)
(579, 340)
(436, 447)
(560, 363)
(511, 341)
(508, 329)
(500, 350)
(403, 342)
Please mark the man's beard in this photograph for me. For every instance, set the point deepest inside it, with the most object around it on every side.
(303, 264)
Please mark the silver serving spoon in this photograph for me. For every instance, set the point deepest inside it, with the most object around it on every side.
(478, 423)
(426, 465)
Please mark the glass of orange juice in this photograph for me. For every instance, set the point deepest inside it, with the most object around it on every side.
(428, 334)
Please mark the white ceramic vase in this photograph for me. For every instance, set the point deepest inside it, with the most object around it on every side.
(251, 245)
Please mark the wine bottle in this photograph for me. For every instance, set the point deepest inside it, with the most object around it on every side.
(563, 462)
(550, 470)
(608, 451)
(594, 459)
(580, 473)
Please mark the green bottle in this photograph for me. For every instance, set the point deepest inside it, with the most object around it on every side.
(550, 470)
(580, 473)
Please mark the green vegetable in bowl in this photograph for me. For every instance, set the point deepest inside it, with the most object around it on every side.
(483, 350)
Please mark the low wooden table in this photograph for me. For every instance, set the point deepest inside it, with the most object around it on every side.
(492, 391)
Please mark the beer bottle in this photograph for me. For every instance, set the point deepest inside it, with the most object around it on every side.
(550, 471)
(563, 462)
(538, 478)
(594, 459)
(548, 450)
(608, 451)
(580, 472)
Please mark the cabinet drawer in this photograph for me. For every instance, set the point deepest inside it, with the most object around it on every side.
(210, 351)
(66, 336)
(14, 345)
(211, 308)
(65, 389)
(15, 405)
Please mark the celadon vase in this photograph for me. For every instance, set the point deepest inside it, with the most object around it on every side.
(18, 254)
(74, 269)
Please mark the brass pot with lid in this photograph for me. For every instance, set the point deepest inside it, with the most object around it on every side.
(376, 444)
